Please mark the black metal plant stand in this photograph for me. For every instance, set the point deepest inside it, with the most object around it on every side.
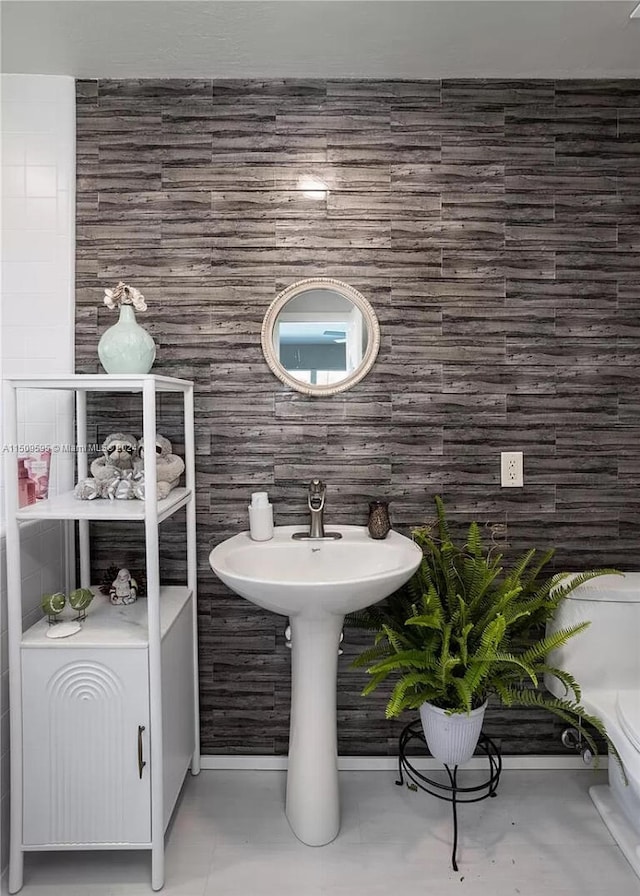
(452, 792)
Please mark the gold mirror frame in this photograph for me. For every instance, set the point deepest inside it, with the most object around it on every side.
(347, 292)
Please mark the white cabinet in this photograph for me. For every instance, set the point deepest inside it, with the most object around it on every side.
(104, 724)
(85, 722)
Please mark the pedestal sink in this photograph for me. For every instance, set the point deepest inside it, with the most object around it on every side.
(315, 583)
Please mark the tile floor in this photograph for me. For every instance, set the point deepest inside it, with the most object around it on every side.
(541, 836)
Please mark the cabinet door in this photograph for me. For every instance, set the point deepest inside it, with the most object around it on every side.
(81, 717)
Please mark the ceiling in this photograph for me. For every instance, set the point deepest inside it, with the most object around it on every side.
(321, 38)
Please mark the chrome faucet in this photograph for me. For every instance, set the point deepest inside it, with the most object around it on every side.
(315, 501)
(317, 491)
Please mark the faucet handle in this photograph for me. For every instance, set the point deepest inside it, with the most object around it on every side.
(317, 490)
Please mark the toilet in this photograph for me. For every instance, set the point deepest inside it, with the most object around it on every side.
(605, 660)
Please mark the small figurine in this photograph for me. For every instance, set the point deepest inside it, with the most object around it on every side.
(80, 599)
(124, 588)
(112, 571)
(52, 605)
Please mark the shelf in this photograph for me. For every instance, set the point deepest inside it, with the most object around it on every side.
(101, 382)
(112, 626)
(158, 667)
(68, 507)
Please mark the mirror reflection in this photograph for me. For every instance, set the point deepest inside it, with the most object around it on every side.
(320, 336)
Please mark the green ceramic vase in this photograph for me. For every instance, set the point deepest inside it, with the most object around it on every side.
(126, 347)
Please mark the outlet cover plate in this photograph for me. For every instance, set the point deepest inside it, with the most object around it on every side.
(511, 469)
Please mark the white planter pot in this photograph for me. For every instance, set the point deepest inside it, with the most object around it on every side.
(451, 739)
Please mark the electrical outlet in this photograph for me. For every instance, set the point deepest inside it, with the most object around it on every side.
(511, 469)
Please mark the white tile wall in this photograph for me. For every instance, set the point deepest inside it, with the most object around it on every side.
(38, 249)
(37, 171)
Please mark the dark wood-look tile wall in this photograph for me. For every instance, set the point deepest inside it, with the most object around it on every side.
(493, 226)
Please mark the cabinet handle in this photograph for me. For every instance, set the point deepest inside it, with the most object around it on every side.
(141, 762)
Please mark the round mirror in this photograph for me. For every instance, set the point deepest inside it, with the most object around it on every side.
(320, 336)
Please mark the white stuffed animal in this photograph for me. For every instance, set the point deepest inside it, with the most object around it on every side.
(120, 450)
(169, 467)
(113, 473)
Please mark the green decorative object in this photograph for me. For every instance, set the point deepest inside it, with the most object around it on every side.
(468, 627)
(80, 599)
(126, 347)
(52, 605)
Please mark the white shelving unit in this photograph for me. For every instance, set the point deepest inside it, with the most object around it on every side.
(104, 724)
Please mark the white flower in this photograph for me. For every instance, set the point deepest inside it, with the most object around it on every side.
(137, 299)
(109, 300)
(123, 294)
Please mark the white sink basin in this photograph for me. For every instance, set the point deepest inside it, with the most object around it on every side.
(315, 576)
(315, 582)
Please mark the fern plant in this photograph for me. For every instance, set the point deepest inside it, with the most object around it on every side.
(464, 628)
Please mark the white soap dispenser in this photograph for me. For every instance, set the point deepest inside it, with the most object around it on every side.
(260, 517)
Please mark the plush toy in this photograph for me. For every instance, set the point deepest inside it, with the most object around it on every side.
(169, 467)
(88, 489)
(120, 450)
(119, 474)
(113, 474)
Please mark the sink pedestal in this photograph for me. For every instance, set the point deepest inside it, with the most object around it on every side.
(315, 582)
(313, 802)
